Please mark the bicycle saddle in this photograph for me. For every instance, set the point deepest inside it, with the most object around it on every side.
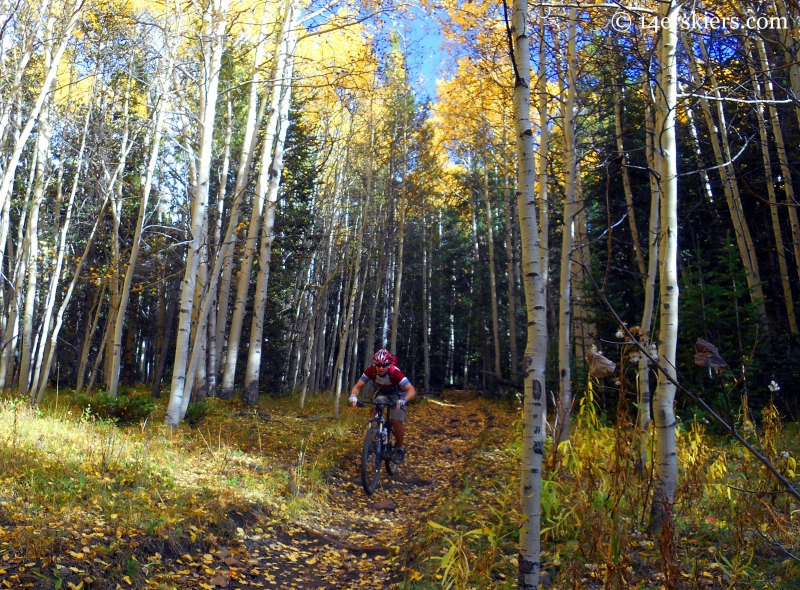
(381, 399)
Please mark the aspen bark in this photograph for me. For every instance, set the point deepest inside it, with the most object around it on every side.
(535, 409)
(242, 180)
(213, 35)
(56, 277)
(158, 125)
(498, 377)
(567, 240)
(43, 138)
(654, 238)
(246, 266)
(666, 458)
(274, 170)
(359, 245)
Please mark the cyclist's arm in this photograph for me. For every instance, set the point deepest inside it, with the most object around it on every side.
(357, 388)
(410, 392)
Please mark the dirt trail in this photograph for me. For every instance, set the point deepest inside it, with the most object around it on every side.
(352, 540)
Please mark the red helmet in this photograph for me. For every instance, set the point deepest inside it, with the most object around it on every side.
(382, 357)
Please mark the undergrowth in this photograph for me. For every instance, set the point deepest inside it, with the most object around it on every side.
(733, 527)
(70, 467)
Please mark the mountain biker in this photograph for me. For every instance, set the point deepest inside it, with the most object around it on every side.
(390, 382)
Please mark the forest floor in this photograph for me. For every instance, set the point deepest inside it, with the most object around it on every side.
(272, 498)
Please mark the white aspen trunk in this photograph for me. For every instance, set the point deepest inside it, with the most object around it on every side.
(87, 339)
(426, 312)
(654, 238)
(512, 292)
(697, 153)
(398, 275)
(215, 19)
(33, 117)
(535, 408)
(116, 214)
(43, 138)
(350, 305)
(541, 162)
(626, 180)
(274, 171)
(780, 145)
(56, 276)
(242, 179)
(773, 207)
(246, 265)
(213, 332)
(498, 377)
(63, 307)
(666, 457)
(568, 239)
(158, 126)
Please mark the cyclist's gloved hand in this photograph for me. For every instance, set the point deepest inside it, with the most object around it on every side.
(353, 400)
(401, 403)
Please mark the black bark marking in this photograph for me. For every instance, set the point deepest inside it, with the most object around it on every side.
(666, 306)
(537, 390)
(538, 447)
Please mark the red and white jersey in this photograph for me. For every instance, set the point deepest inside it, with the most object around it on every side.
(394, 380)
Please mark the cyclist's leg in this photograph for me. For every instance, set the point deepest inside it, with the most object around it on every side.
(398, 422)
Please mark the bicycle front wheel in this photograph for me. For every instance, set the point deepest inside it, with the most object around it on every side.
(371, 461)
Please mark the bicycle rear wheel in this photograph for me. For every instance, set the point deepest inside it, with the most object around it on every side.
(371, 461)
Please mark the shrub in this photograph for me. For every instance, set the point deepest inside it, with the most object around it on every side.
(125, 408)
(196, 412)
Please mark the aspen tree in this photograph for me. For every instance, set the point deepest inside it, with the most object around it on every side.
(666, 458)
(46, 351)
(274, 170)
(242, 179)
(567, 233)
(498, 377)
(243, 278)
(213, 35)
(157, 133)
(535, 409)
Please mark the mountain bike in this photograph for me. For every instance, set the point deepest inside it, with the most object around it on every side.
(378, 444)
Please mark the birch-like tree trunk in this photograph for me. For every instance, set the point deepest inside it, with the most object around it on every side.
(535, 409)
(274, 170)
(158, 130)
(359, 245)
(246, 265)
(513, 304)
(56, 276)
(43, 139)
(498, 377)
(666, 457)
(213, 36)
(567, 237)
